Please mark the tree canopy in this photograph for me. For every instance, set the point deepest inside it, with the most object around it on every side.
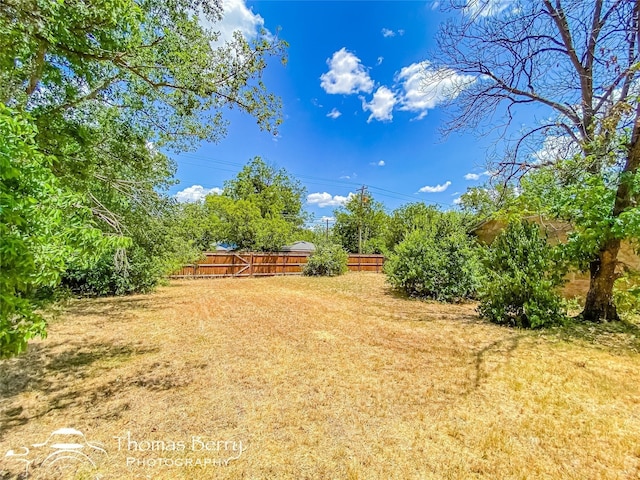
(91, 91)
(579, 61)
(360, 224)
(154, 61)
(261, 209)
(43, 225)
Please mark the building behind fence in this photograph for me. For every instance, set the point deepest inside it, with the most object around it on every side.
(232, 264)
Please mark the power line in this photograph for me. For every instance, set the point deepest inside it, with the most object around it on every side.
(310, 180)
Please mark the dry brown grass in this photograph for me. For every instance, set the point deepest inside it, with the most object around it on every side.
(327, 378)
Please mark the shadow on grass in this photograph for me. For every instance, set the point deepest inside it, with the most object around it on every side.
(621, 337)
(616, 337)
(54, 374)
(398, 293)
(504, 347)
(115, 307)
(402, 295)
(13, 476)
(41, 368)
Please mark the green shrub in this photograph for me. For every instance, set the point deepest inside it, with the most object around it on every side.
(157, 246)
(437, 262)
(520, 279)
(328, 260)
(117, 274)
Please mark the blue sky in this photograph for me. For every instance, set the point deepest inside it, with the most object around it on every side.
(355, 108)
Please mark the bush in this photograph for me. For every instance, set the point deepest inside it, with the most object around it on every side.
(328, 260)
(437, 262)
(157, 246)
(116, 273)
(520, 279)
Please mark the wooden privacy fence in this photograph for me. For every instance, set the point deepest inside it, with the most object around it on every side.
(232, 264)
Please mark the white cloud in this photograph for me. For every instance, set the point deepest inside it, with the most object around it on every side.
(326, 219)
(436, 189)
(486, 8)
(381, 107)
(195, 193)
(386, 32)
(417, 88)
(425, 87)
(346, 74)
(335, 113)
(381, 163)
(554, 148)
(457, 201)
(476, 176)
(236, 16)
(325, 199)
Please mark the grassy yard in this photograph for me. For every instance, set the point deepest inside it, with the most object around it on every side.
(316, 378)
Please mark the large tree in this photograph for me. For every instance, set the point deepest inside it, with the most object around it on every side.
(167, 74)
(406, 219)
(97, 87)
(361, 224)
(579, 62)
(261, 209)
(274, 191)
(103, 80)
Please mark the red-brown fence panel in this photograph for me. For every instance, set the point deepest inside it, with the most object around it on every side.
(261, 264)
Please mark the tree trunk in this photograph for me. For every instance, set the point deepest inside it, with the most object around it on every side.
(599, 305)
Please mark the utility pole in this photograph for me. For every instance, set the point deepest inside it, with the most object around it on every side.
(327, 230)
(362, 192)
